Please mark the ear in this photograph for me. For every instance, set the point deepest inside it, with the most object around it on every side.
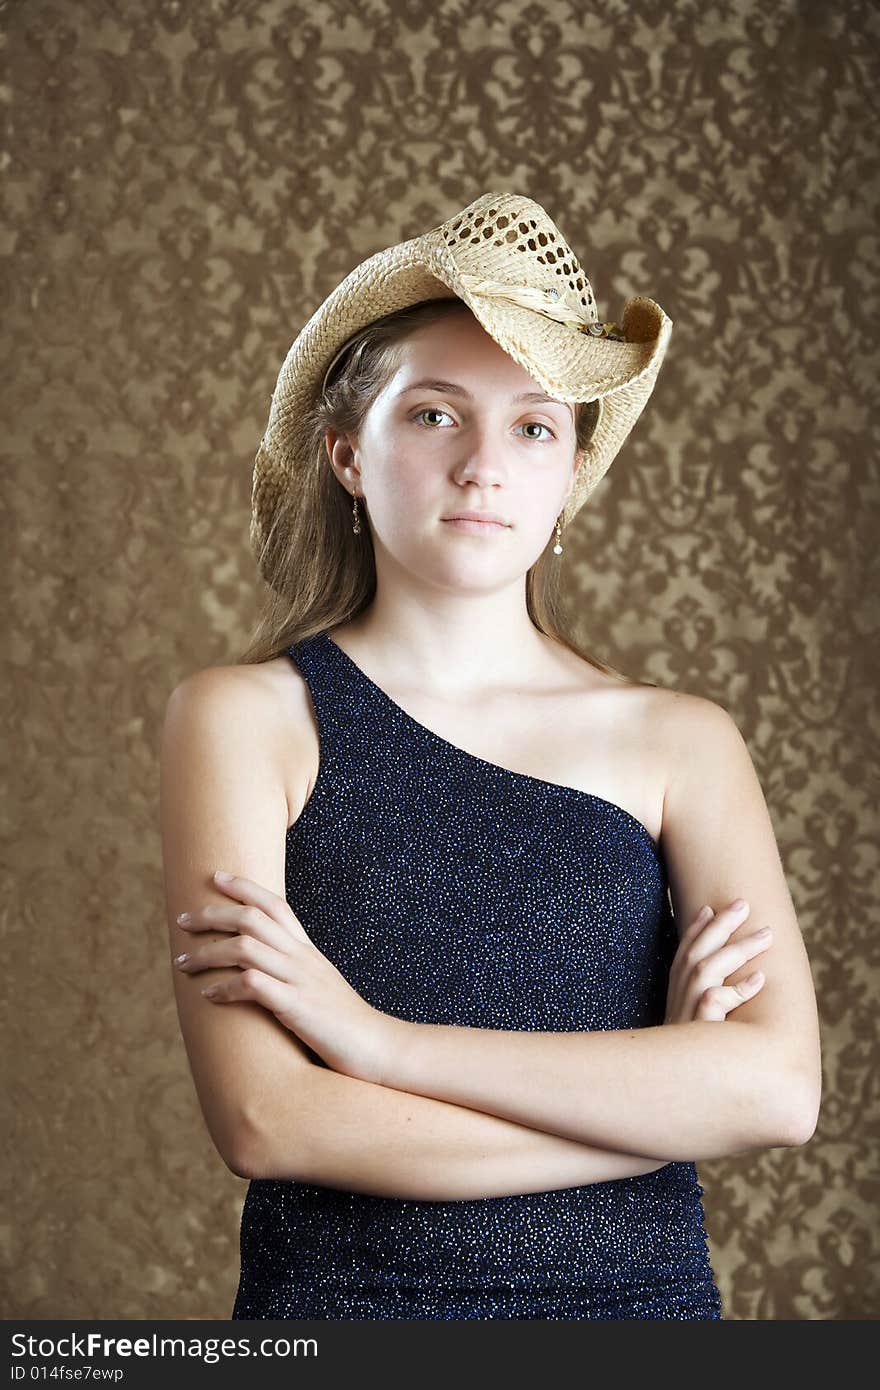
(343, 455)
(578, 460)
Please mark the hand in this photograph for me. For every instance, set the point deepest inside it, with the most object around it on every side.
(702, 962)
(283, 970)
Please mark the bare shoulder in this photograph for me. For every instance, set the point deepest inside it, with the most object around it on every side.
(243, 696)
(236, 684)
(685, 719)
(244, 676)
(697, 741)
(674, 730)
(273, 690)
(268, 704)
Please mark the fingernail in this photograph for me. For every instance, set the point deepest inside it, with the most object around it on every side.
(765, 931)
(178, 960)
(222, 877)
(753, 978)
(738, 904)
(184, 916)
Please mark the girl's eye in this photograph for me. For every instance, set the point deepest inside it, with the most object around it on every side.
(541, 426)
(435, 410)
(432, 410)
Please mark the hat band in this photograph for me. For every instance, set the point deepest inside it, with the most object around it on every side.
(546, 302)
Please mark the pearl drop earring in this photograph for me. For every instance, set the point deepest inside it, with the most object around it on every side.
(557, 549)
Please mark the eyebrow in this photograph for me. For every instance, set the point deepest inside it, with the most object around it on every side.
(453, 388)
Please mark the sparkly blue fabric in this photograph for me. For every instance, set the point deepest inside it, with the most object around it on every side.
(450, 890)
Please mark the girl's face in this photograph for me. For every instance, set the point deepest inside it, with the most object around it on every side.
(452, 432)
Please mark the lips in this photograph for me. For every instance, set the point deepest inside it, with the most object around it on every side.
(483, 518)
(476, 526)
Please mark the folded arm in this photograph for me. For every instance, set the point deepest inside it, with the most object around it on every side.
(687, 1091)
(339, 1131)
(684, 1091)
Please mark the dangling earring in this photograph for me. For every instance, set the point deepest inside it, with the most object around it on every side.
(557, 549)
(357, 525)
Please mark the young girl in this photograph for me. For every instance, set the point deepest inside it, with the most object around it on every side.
(467, 1047)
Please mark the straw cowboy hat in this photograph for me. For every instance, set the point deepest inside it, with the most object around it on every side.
(507, 260)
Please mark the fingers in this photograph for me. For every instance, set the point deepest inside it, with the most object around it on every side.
(237, 918)
(716, 1003)
(729, 958)
(707, 933)
(705, 958)
(245, 890)
(246, 952)
(711, 972)
(251, 985)
(714, 928)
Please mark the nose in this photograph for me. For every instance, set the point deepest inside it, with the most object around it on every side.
(482, 458)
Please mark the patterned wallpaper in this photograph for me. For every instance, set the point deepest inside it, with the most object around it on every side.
(183, 183)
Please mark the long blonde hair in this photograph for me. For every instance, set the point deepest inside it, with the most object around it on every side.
(329, 572)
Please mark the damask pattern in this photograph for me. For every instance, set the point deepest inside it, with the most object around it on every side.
(183, 185)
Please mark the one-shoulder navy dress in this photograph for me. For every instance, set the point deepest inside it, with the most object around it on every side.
(450, 890)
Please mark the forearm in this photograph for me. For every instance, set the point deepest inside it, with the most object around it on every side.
(338, 1131)
(683, 1091)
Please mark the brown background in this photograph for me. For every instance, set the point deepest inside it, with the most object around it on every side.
(183, 183)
